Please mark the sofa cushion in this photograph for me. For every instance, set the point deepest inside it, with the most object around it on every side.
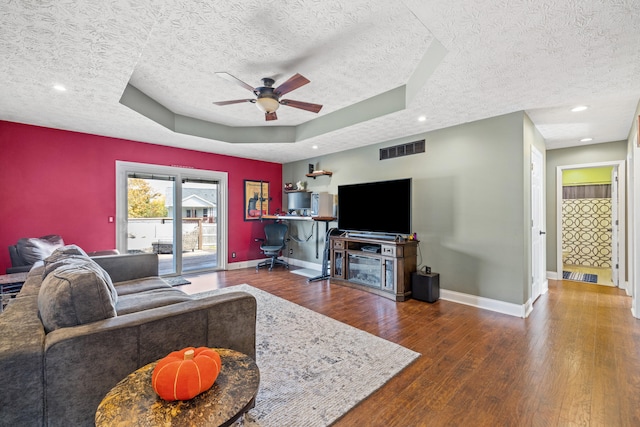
(38, 248)
(140, 285)
(148, 299)
(74, 294)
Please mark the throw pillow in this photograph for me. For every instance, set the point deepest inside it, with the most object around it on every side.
(35, 249)
(64, 255)
(75, 294)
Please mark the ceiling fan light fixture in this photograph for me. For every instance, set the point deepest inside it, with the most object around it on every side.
(267, 105)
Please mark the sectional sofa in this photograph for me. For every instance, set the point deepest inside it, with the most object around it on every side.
(79, 325)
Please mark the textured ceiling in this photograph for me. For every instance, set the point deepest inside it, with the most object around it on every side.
(541, 56)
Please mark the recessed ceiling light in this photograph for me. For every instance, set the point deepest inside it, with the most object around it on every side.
(422, 118)
(315, 147)
(586, 139)
(579, 108)
(59, 88)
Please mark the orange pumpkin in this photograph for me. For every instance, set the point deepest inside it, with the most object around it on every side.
(184, 374)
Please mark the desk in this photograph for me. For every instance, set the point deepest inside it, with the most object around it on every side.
(134, 402)
(317, 219)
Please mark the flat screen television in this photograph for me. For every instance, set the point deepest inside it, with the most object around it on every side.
(376, 207)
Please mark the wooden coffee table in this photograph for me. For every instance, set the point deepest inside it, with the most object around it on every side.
(134, 402)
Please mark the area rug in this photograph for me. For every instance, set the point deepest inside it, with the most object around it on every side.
(580, 277)
(313, 369)
(176, 281)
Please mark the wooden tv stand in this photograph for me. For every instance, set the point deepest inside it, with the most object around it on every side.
(382, 267)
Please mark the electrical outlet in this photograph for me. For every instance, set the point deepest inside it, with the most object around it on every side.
(290, 251)
(233, 254)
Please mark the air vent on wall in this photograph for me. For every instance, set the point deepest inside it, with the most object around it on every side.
(402, 150)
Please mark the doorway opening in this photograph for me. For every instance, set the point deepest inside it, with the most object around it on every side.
(590, 227)
(155, 204)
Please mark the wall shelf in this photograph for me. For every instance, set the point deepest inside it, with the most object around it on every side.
(316, 174)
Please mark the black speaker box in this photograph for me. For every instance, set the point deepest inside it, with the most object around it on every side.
(425, 286)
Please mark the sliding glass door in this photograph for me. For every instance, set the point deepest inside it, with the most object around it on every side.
(155, 204)
(199, 224)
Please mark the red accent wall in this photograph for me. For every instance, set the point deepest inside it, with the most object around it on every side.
(60, 182)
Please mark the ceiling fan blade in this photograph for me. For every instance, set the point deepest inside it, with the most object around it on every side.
(235, 101)
(293, 83)
(235, 80)
(270, 116)
(301, 105)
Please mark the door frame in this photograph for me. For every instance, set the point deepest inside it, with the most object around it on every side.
(622, 258)
(122, 171)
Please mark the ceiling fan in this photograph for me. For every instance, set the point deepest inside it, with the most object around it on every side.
(268, 98)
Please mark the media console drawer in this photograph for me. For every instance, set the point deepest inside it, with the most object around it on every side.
(388, 250)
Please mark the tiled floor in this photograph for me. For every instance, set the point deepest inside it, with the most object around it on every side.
(604, 274)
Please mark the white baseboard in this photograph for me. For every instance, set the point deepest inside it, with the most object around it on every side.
(553, 275)
(291, 261)
(625, 287)
(517, 310)
(243, 264)
(304, 264)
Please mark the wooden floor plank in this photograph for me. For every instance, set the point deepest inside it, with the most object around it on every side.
(574, 361)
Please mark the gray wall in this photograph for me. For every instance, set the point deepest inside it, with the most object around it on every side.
(594, 153)
(470, 201)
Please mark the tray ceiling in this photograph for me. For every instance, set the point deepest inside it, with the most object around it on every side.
(502, 56)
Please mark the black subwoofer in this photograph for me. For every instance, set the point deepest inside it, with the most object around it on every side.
(425, 286)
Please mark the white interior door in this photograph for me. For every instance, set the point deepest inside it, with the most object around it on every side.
(537, 225)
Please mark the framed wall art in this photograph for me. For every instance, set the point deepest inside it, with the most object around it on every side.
(256, 199)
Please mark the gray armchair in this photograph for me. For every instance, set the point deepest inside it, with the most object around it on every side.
(28, 251)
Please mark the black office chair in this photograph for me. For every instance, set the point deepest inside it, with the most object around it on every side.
(274, 242)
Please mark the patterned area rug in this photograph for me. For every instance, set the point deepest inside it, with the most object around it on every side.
(313, 369)
(580, 277)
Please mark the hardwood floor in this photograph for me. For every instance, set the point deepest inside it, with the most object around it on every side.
(574, 361)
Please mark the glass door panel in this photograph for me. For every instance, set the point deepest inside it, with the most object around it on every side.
(389, 275)
(365, 270)
(200, 240)
(150, 218)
